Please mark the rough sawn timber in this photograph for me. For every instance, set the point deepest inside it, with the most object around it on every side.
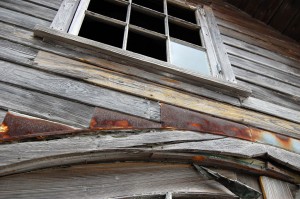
(77, 91)
(26, 156)
(123, 180)
(105, 78)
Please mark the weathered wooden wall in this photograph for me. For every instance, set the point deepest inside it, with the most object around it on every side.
(65, 84)
(262, 59)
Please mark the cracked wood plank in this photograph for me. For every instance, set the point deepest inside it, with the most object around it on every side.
(28, 155)
(29, 8)
(45, 106)
(77, 91)
(112, 180)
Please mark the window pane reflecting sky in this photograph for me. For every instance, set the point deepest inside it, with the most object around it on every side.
(189, 58)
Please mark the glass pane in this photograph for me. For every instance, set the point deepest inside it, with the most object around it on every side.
(189, 58)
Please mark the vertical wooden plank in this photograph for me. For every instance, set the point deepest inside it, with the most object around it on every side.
(124, 46)
(201, 20)
(219, 45)
(79, 16)
(275, 189)
(65, 15)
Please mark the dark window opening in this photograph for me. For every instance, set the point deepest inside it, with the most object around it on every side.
(149, 46)
(143, 20)
(109, 9)
(182, 13)
(185, 34)
(102, 32)
(157, 5)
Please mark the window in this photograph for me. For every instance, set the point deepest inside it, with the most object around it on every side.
(159, 29)
(168, 37)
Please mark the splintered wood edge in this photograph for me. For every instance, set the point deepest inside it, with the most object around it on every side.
(172, 146)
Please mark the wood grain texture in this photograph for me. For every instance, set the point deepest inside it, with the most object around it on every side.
(275, 189)
(272, 109)
(219, 46)
(54, 4)
(263, 60)
(267, 82)
(152, 91)
(78, 91)
(64, 16)
(115, 139)
(247, 34)
(111, 180)
(15, 157)
(30, 9)
(16, 52)
(229, 146)
(45, 106)
(260, 51)
(272, 96)
(19, 19)
(264, 70)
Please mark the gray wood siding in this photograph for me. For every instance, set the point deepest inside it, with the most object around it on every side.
(262, 60)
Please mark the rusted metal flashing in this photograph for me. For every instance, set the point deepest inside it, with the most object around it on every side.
(21, 127)
(179, 118)
(15, 126)
(107, 119)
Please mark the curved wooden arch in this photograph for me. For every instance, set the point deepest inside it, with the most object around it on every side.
(163, 146)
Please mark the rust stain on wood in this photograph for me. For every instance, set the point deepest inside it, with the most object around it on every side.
(16, 125)
(107, 119)
(179, 118)
(189, 120)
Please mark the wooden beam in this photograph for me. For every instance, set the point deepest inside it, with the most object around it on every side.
(146, 145)
(275, 189)
(131, 180)
(65, 15)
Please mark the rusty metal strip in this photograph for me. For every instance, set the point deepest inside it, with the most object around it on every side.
(17, 125)
(20, 127)
(107, 119)
(179, 118)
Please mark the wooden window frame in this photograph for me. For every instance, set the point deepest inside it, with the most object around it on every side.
(68, 20)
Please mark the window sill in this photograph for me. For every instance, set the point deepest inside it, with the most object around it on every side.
(146, 63)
